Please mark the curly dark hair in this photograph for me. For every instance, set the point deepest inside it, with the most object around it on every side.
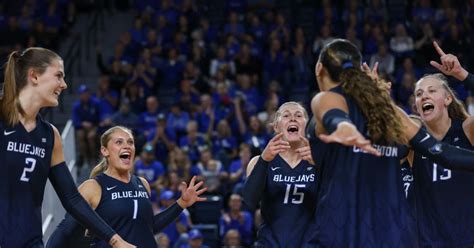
(342, 60)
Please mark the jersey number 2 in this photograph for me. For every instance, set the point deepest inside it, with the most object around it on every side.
(296, 197)
(30, 167)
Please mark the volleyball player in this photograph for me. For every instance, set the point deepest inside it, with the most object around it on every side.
(121, 198)
(283, 179)
(361, 200)
(31, 151)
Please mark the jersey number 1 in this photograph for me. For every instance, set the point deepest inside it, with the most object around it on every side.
(296, 197)
(135, 208)
(30, 167)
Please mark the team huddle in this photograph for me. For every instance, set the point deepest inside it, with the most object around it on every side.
(359, 173)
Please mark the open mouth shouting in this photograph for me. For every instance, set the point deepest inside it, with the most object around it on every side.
(427, 108)
(293, 129)
(125, 157)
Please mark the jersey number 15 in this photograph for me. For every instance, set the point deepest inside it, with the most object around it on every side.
(296, 197)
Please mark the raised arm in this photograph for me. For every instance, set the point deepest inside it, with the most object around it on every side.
(448, 156)
(333, 122)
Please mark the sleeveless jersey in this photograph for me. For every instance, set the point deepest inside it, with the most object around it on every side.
(288, 203)
(127, 209)
(361, 201)
(444, 198)
(25, 163)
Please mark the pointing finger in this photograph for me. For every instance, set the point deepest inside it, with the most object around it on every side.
(438, 49)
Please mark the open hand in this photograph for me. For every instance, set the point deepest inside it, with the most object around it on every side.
(348, 135)
(190, 194)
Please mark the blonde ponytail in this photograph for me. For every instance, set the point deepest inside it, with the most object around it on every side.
(99, 168)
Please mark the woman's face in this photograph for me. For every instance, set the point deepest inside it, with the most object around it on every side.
(431, 99)
(291, 122)
(50, 84)
(120, 150)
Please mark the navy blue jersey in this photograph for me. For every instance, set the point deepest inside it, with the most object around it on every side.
(26, 160)
(127, 209)
(407, 172)
(361, 201)
(444, 198)
(288, 203)
(407, 180)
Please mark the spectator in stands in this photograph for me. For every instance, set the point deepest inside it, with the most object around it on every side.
(234, 27)
(255, 134)
(456, 42)
(403, 92)
(172, 70)
(162, 138)
(423, 12)
(266, 116)
(221, 62)
(232, 46)
(300, 74)
(407, 67)
(275, 64)
(187, 96)
(385, 60)
(212, 171)
(224, 144)
(423, 44)
(281, 30)
(136, 98)
(179, 163)
(124, 117)
(325, 36)
(205, 115)
(246, 63)
(232, 239)
(238, 168)
(138, 32)
(351, 35)
(152, 170)
(374, 35)
(238, 219)
(108, 101)
(144, 78)
(149, 117)
(376, 12)
(193, 142)
(181, 224)
(162, 240)
(178, 120)
(223, 105)
(195, 240)
(401, 44)
(248, 93)
(86, 116)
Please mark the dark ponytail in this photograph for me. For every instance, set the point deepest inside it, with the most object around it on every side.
(342, 60)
